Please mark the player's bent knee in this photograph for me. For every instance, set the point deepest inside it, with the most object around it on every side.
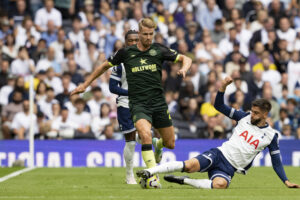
(219, 183)
(170, 144)
(191, 165)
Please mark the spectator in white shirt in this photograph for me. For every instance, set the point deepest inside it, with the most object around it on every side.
(45, 14)
(76, 35)
(25, 30)
(58, 46)
(46, 105)
(21, 122)
(286, 32)
(82, 119)
(53, 81)
(50, 61)
(270, 75)
(102, 120)
(63, 126)
(293, 70)
(95, 103)
(23, 65)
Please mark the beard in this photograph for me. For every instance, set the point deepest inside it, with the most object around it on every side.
(255, 121)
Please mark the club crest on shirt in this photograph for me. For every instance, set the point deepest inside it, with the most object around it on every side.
(152, 52)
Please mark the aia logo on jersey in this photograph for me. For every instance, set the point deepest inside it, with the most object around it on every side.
(249, 140)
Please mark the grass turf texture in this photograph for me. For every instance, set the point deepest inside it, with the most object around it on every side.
(108, 183)
(7, 170)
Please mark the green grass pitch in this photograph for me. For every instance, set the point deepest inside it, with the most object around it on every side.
(108, 183)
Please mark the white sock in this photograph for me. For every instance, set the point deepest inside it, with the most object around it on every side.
(128, 154)
(198, 183)
(174, 166)
(137, 138)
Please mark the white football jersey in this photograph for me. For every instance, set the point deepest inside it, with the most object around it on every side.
(119, 74)
(246, 142)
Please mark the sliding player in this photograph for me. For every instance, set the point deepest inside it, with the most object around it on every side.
(251, 135)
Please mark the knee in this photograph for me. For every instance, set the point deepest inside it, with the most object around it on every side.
(219, 183)
(170, 144)
(191, 166)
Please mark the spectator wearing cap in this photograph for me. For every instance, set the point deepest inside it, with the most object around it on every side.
(23, 65)
(209, 15)
(5, 28)
(82, 119)
(9, 111)
(48, 12)
(4, 73)
(217, 34)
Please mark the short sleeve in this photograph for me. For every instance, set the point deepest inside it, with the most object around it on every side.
(116, 73)
(168, 54)
(117, 58)
(274, 145)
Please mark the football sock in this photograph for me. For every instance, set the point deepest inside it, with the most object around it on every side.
(198, 183)
(148, 155)
(160, 144)
(128, 154)
(174, 166)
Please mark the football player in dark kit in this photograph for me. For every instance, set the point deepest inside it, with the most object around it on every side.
(143, 66)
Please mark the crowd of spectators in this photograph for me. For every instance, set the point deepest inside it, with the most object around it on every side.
(60, 42)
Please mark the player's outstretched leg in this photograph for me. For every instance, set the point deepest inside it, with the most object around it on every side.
(128, 154)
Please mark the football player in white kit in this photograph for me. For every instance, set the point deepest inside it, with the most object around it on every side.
(251, 135)
(118, 85)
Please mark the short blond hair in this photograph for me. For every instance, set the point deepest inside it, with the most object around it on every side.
(147, 22)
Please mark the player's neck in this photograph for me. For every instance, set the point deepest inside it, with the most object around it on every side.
(262, 123)
(141, 47)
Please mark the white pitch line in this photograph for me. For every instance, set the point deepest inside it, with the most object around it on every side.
(14, 174)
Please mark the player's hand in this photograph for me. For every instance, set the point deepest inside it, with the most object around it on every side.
(80, 89)
(225, 83)
(182, 73)
(291, 185)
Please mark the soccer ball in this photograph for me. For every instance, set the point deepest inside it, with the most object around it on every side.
(150, 183)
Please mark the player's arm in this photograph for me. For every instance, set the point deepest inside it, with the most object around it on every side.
(222, 107)
(115, 82)
(174, 56)
(186, 64)
(277, 164)
(112, 61)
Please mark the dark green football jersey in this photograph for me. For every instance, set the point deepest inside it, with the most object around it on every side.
(143, 72)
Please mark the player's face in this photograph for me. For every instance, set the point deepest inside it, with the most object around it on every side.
(132, 39)
(256, 115)
(146, 36)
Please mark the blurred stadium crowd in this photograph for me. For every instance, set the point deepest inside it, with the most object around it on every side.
(60, 42)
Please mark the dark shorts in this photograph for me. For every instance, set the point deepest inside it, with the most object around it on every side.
(214, 162)
(125, 121)
(158, 117)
